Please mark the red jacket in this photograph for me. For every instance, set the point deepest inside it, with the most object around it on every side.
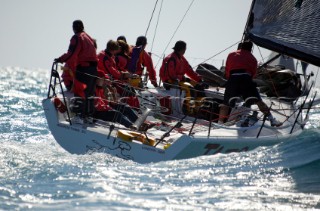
(241, 59)
(81, 50)
(122, 62)
(78, 88)
(100, 102)
(107, 63)
(175, 67)
(146, 60)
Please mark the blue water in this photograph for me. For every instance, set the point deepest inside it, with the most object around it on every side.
(37, 174)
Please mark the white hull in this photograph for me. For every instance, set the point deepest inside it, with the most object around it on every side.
(89, 138)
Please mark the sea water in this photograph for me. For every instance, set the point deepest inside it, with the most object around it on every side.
(37, 174)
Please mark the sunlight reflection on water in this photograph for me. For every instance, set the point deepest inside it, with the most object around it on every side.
(36, 173)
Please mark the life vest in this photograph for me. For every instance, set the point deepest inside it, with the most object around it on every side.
(78, 88)
(58, 104)
(164, 73)
(132, 101)
(100, 102)
(81, 49)
(110, 68)
(135, 82)
(122, 61)
(105, 58)
(135, 56)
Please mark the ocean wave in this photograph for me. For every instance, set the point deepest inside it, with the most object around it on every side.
(36, 173)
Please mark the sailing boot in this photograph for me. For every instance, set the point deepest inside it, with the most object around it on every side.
(77, 120)
(264, 108)
(273, 121)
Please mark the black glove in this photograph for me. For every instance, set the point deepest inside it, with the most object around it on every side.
(201, 86)
(205, 85)
(186, 79)
(154, 83)
(57, 60)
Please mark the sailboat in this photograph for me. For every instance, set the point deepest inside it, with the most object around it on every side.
(186, 127)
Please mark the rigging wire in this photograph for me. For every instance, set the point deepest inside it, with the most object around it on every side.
(270, 78)
(155, 31)
(260, 54)
(176, 30)
(217, 54)
(151, 17)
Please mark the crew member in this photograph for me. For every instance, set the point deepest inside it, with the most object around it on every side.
(175, 67)
(140, 59)
(111, 111)
(107, 63)
(241, 68)
(82, 53)
(122, 58)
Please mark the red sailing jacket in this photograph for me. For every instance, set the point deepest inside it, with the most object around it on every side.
(100, 102)
(81, 50)
(107, 64)
(146, 60)
(78, 88)
(175, 67)
(122, 63)
(241, 59)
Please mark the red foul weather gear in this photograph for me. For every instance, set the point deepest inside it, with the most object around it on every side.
(122, 62)
(241, 60)
(107, 63)
(81, 50)
(175, 67)
(100, 102)
(78, 88)
(145, 60)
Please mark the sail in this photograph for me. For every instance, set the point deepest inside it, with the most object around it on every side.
(290, 27)
(285, 61)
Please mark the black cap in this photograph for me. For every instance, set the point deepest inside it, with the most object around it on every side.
(239, 46)
(141, 41)
(246, 45)
(77, 26)
(123, 38)
(180, 45)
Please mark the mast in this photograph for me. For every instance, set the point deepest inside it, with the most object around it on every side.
(249, 22)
